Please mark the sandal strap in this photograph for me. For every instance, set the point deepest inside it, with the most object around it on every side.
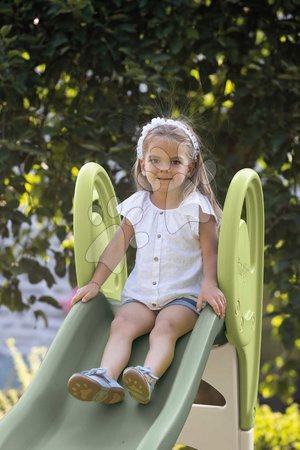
(147, 371)
(97, 373)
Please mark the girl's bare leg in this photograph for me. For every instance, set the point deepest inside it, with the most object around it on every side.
(171, 323)
(132, 320)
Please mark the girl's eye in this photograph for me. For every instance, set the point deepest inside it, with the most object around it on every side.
(154, 161)
(175, 162)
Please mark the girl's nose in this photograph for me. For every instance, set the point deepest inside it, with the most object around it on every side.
(164, 166)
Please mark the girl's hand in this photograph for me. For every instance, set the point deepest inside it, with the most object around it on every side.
(86, 293)
(211, 294)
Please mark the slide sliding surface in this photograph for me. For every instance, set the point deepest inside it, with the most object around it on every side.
(48, 418)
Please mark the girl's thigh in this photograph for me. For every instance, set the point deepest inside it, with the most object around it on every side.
(136, 317)
(179, 319)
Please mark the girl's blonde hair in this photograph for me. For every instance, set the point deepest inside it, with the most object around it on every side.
(198, 180)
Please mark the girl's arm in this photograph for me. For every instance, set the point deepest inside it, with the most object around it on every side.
(210, 292)
(108, 261)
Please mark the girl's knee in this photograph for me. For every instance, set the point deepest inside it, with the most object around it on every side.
(124, 326)
(119, 325)
(163, 328)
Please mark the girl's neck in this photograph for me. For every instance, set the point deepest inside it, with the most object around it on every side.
(166, 200)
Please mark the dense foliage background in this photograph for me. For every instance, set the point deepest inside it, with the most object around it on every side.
(77, 80)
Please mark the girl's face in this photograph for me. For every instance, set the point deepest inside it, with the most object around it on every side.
(166, 164)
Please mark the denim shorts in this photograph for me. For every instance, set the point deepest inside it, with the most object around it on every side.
(187, 302)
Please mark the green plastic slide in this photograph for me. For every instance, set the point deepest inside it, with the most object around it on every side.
(48, 418)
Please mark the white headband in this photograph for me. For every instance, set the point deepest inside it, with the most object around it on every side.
(157, 122)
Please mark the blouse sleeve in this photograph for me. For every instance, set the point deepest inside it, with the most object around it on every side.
(132, 208)
(190, 208)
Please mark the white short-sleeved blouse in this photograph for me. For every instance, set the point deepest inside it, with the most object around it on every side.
(168, 259)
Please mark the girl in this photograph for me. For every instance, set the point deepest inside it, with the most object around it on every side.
(173, 217)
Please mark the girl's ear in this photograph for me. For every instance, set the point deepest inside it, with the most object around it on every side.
(142, 163)
(192, 167)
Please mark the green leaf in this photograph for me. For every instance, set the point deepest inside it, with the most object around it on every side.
(287, 332)
(50, 301)
(5, 30)
(40, 314)
(32, 299)
(60, 264)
